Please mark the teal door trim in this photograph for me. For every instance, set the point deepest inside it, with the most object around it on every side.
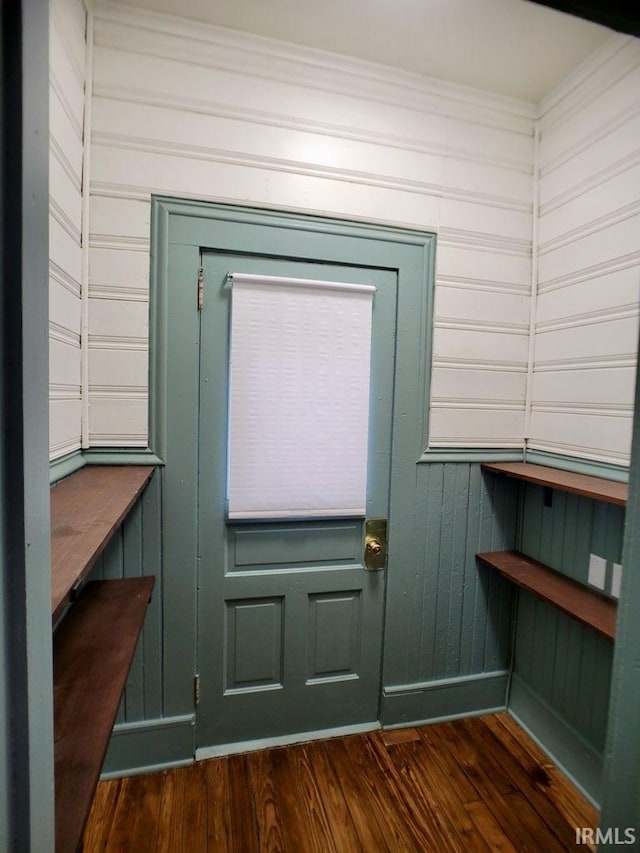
(180, 230)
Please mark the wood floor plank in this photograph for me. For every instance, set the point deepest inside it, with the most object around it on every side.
(305, 824)
(136, 819)
(182, 823)
(528, 782)
(574, 806)
(430, 802)
(412, 803)
(468, 786)
(263, 789)
(489, 829)
(102, 814)
(338, 810)
(244, 824)
(215, 785)
(489, 780)
(370, 835)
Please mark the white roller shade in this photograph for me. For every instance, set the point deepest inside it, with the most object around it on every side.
(299, 397)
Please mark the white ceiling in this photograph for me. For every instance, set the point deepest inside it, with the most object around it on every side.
(512, 47)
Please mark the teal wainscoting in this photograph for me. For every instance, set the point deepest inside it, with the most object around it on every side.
(155, 723)
(562, 669)
(449, 622)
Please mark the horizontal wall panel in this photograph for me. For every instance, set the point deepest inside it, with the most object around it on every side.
(133, 217)
(66, 75)
(478, 263)
(64, 426)
(66, 116)
(112, 317)
(64, 308)
(117, 367)
(70, 21)
(459, 384)
(118, 421)
(65, 195)
(476, 345)
(603, 293)
(155, 125)
(611, 200)
(119, 267)
(497, 218)
(575, 387)
(343, 195)
(64, 251)
(506, 180)
(348, 80)
(582, 434)
(461, 426)
(64, 362)
(462, 303)
(587, 116)
(590, 340)
(65, 138)
(612, 242)
(614, 148)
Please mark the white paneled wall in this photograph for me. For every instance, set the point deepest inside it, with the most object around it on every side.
(193, 111)
(586, 325)
(66, 103)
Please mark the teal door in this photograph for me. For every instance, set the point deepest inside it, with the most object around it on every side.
(290, 622)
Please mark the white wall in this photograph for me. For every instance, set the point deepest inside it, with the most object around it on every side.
(66, 104)
(586, 329)
(194, 111)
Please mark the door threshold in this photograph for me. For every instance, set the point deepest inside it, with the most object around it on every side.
(283, 740)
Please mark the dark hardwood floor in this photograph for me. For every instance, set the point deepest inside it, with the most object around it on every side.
(479, 784)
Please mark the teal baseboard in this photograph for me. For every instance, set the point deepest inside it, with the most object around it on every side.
(65, 466)
(150, 745)
(555, 735)
(446, 699)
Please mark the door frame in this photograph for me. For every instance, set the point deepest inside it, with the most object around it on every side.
(179, 230)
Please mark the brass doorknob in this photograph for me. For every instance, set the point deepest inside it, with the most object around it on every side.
(373, 546)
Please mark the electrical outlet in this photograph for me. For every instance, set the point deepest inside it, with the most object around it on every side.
(597, 571)
(616, 580)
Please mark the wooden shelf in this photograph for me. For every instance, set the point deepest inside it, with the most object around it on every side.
(86, 510)
(573, 598)
(92, 653)
(597, 488)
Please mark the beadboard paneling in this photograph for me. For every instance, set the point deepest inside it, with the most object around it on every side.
(564, 664)
(199, 112)
(66, 109)
(586, 324)
(447, 617)
(136, 549)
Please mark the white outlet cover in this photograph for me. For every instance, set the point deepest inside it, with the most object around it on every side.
(597, 571)
(616, 580)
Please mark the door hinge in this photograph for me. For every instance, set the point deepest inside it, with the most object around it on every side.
(200, 288)
(196, 689)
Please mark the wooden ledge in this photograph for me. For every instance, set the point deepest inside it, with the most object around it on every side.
(607, 491)
(575, 599)
(86, 510)
(92, 653)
